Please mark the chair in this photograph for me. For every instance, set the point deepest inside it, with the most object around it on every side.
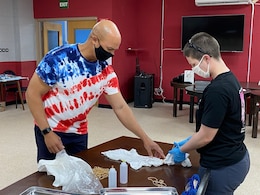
(255, 121)
(11, 87)
(254, 110)
(23, 90)
(252, 100)
(203, 183)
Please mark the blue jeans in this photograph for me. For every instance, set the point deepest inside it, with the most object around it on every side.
(73, 143)
(224, 181)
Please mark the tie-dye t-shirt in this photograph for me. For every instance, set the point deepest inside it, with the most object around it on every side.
(76, 86)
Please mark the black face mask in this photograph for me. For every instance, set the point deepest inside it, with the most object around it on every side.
(102, 54)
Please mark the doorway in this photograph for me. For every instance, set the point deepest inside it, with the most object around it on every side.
(52, 36)
(79, 30)
(53, 32)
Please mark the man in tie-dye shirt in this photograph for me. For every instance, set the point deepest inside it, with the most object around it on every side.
(66, 85)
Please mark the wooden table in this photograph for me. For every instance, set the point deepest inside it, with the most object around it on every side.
(174, 175)
(251, 90)
(11, 79)
(254, 103)
(178, 86)
(250, 86)
(193, 92)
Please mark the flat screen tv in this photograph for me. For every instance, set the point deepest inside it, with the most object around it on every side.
(227, 29)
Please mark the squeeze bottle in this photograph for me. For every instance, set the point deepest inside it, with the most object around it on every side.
(112, 177)
(123, 173)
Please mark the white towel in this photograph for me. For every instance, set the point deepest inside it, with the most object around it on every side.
(136, 161)
(169, 160)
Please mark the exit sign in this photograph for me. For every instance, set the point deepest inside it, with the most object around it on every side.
(64, 4)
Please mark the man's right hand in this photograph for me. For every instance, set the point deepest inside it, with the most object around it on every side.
(53, 142)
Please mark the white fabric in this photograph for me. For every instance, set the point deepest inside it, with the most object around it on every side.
(136, 161)
(169, 160)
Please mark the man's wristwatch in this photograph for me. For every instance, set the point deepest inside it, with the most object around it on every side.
(46, 131)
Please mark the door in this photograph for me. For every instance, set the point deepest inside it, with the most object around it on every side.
(52, 36)
(78, 30)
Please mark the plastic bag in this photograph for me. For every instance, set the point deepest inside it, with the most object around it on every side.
(72, 173)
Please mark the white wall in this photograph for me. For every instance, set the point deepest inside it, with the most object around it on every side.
(17, 31)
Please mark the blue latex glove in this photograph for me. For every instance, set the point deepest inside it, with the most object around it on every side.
(181, 143)
(178, 155)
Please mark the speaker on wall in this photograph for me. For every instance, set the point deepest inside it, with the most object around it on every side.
(143, 91)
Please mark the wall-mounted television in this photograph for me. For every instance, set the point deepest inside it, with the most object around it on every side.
(227, 29)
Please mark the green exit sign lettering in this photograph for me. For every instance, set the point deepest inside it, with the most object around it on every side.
(64, 4)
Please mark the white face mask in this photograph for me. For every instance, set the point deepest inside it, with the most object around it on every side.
(196, 69)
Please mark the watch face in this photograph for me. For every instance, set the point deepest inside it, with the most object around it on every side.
(46, 131)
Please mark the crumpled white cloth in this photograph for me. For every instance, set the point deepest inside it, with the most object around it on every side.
(169, 160)
(136, 161)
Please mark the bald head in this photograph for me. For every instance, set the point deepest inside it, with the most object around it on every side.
(106, 29)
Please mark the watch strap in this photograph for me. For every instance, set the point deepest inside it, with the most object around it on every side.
(46, 131)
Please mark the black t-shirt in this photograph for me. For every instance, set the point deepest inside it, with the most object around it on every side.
(223, 107)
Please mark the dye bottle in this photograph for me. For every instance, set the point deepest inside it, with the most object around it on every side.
(123, 173)
(112, 178)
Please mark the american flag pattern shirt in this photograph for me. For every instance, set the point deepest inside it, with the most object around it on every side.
(76, 86)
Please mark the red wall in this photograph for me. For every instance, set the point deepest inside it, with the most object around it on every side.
(140, 24)
(77, 8)
(121, 12)
(173, 61)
